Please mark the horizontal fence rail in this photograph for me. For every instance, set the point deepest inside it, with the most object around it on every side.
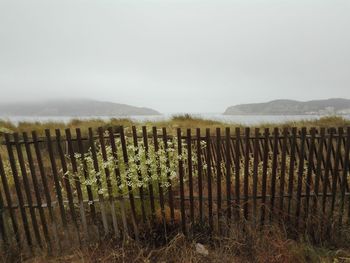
(67, 189)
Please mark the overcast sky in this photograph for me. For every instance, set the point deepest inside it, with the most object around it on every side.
(175, 56)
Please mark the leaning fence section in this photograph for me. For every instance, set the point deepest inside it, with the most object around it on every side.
(70, 188)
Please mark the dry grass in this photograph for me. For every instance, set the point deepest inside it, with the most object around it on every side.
(239, 245)
(181, 121)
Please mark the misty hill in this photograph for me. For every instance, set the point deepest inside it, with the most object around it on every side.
(72, 108)
(292, 107)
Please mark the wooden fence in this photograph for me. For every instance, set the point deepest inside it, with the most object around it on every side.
(296, 176)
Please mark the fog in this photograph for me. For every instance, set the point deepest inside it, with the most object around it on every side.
(174, 56)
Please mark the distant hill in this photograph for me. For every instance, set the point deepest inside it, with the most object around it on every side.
(79, 107)
(292, 107)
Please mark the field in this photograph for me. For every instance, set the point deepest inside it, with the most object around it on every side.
(261, 231)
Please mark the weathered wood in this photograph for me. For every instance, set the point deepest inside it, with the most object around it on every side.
(344, 176)
(170, 188)
(77, 181)
(327, 171)
(274, 171)
(218, 176)
(86, 175)
(264, 175)
(291, 170)
(18, 190)
(237, 172)
(3, 230)
(108, 181)
(159, 174)
(255, 172)
(98, 182)
(318, 175)
(228, 173)
(300, 176)
(308, 181)
(139, 174)
(150, 186)
(181, 177)
(118, 179)
(37, 191)
(190, 173)
(283, 170)
(246, 173)
(56, 179)
(67, 183)
(335, 176)
(46, 187)
(9, 203)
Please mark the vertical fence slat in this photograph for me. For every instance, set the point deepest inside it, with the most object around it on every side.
(190, 173)
(67, 182)
(160, 187)
(237, 172)
(27, 189)
(246, 173)
(36, 191)
(264, 175)
(326, 172)
(18, 190)
(130, 190)
(200, 173)
(283, 170)
(344, 176)
(150, 186)
(291, 170)
(139, 174)
(86, 175)
(98, 182)
(56, 179)
(218, 176)
(108, 181)
(255, 171)
(76, 180)
(3, 230)
(274, 171)
(118, 179)
(181, 177)
(300, 176)
(170, 188)
(310, 165)
(318, 175)
(228, 172)
(44, 181)
(335, 176)
(9, 203)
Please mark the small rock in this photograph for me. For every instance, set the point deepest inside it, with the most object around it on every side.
(200, 249)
